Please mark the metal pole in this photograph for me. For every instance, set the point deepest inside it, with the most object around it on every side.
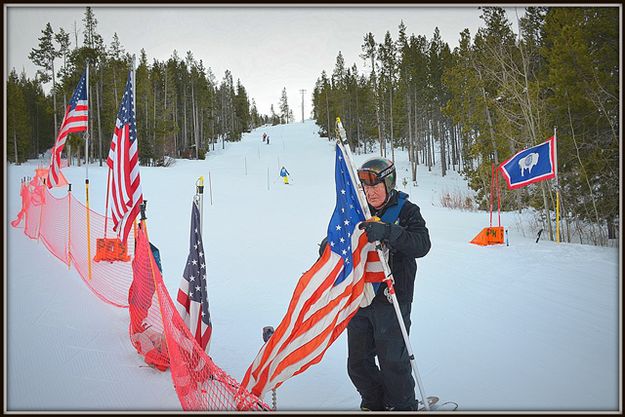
(210, 187)
(341, 136)
(199, 191)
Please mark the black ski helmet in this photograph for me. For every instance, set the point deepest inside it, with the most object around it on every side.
(376, 170)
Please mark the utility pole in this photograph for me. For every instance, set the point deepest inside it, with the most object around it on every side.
(303, 92)
(75, 35)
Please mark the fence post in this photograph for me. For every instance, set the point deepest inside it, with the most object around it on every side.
(40, 211)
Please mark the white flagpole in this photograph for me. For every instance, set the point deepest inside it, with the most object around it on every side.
(341, 136)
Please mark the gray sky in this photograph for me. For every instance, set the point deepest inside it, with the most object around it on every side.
(266, 47)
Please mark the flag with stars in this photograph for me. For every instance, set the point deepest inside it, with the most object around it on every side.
(192, 299)
(326, 296)
(123, 161)
(75, 120)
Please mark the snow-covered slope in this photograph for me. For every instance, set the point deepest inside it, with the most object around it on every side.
(521, 327)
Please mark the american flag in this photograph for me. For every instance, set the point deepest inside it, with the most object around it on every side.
(75, 120)
(192, 295)
(326, 296)
(123, 161)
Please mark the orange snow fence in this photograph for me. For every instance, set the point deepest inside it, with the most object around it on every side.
(61, 225)
(156, 329)
(161, 336)
(489, 236)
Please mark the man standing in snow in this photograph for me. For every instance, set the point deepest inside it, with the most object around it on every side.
(374, 330)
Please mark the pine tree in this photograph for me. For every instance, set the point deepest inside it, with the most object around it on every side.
(369, 52)
(44, 57)
(18, 132)
(283, 106)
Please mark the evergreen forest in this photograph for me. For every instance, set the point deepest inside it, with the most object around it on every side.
(498, 92)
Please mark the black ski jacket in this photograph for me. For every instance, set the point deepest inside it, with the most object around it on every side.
(405, 245)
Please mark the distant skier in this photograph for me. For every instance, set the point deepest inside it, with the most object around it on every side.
(267, 139)
(264, 136)
(285, 175)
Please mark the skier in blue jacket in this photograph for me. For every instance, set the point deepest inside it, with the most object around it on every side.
(285, 175)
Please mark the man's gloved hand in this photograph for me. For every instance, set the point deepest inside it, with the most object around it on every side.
(322, 246)
(376, 230)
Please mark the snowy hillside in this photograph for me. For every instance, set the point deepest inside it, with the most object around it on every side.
(521, 327)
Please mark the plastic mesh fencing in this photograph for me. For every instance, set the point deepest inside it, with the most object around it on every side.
(146, 323)
(53, 228)
(37, 197)
(199, 383)
(109, 280)
(156, 329)
(25, 195)
(61, 224)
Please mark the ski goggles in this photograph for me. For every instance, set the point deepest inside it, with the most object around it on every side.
(370, 177)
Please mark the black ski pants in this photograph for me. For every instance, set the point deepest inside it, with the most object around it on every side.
(372, 332)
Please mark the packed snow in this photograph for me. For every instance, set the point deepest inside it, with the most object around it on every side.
(525, 327)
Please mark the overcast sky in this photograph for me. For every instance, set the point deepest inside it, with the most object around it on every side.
(266, 47)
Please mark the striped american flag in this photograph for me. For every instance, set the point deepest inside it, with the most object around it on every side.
(123, 160)
(192, 298)
(326, 296)
(75, 120)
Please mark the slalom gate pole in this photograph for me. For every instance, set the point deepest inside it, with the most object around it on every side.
(210, 187)
(342, 141)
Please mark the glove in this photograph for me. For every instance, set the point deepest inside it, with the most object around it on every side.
(376, 230)
(322, 245)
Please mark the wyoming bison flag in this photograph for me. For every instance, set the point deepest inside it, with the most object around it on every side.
(531, 165)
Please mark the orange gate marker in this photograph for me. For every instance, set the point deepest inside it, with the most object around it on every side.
(492, 235)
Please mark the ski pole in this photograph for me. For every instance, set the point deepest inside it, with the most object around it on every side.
(341, 136)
